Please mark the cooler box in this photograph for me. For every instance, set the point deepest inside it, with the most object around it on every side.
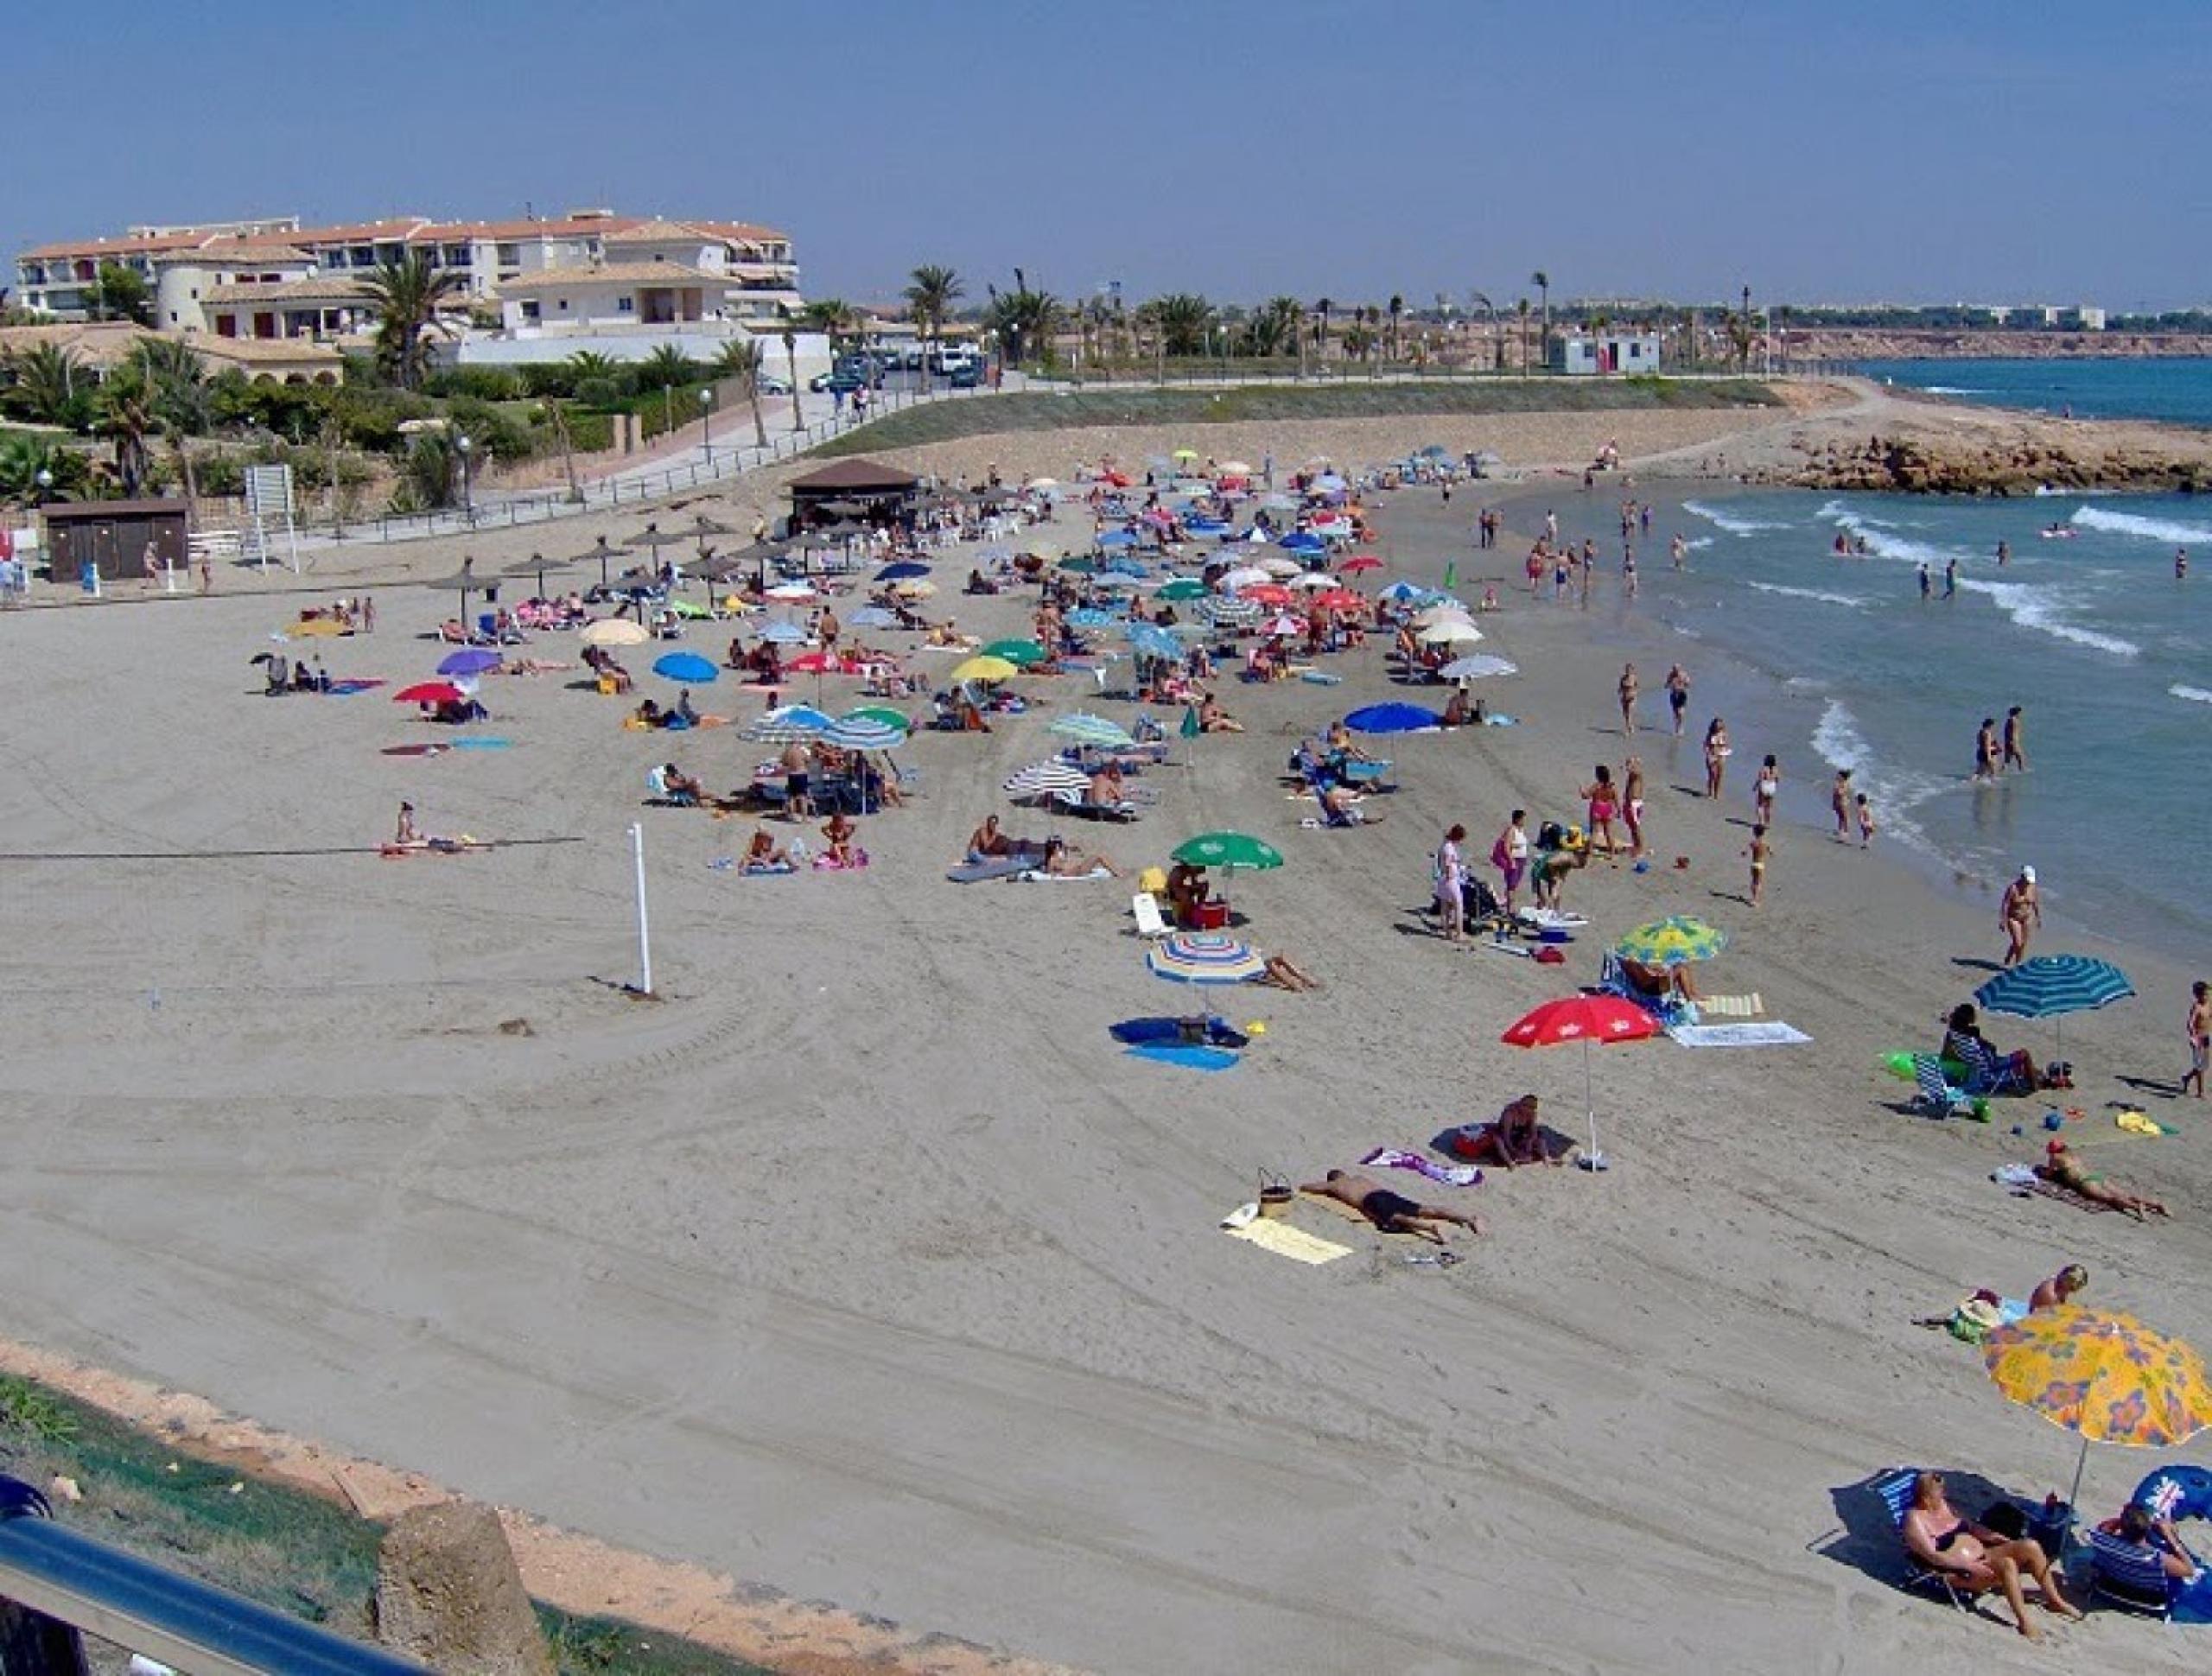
(1210, 916)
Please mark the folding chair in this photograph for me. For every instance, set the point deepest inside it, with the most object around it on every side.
(1150, 923)
(1934, 1093)
(1894, 1485)
(2131, 1575)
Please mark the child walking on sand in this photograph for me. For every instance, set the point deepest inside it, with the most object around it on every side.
(1757, 850)
(1867, 828)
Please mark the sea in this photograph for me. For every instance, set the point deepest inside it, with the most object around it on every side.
(2109, 654)
(2178, 391)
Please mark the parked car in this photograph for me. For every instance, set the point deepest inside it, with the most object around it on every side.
(840, 383)
(966, 376)
(771, 386)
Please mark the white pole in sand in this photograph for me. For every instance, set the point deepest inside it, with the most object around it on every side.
(644, 938)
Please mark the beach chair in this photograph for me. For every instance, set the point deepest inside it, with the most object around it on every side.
(1150, 923)
(1669, 1010)
(1894, 1486)
(1933, 1092)
(2131, 1575)
(1077, 803)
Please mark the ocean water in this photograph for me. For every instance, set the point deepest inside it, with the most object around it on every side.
(2178, 391)
(2109, 654)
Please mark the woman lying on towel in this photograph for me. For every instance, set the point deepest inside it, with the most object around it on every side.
(2062, 1169)
(1062, 862)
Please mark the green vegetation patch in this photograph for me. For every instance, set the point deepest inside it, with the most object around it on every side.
(1073, 408)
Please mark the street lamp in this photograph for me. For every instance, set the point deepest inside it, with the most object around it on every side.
(44, 484)
(706, 421)
(467, 476)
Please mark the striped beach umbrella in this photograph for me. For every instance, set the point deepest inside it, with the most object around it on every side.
(783, 726)
(1084, 728)
(1204, 957)
(1091, 617)
(862, 733)
(2052, 986)
(1150, 640)
(1042, 779)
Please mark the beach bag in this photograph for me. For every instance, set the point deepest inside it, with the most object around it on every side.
(1276, 1195)
(1500, 857)
(1974, 1319)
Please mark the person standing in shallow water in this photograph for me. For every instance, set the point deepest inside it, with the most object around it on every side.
(2016, 729)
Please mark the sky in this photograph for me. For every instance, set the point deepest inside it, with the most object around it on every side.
(1884, 150)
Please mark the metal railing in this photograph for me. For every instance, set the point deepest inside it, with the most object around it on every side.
(192, 1627)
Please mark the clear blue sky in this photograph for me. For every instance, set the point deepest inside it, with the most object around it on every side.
(1880, 149)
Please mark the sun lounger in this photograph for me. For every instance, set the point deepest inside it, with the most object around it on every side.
(1150, 923)
(1933, 1094)
(1894, 1485)
(1074, 804)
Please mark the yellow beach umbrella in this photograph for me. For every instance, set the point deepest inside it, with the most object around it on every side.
(614, 632)
(2104, 1376)
(1186, 453)
(984, 669)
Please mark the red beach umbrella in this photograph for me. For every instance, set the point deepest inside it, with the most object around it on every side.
(1267, 593)
(1359, 561)
(428, 692)
(1583, 1019)
(1341, 598)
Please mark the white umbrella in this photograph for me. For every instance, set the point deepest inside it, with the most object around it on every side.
(1281, 567)
(1449, 633)
(1477, 665)
(1041, 779)
(1443, 613)
(1316, 579)
(1243, 576)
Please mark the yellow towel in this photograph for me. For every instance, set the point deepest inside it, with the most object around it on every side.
(1732, 1007)
(1285, 1240)
(2138, 1123)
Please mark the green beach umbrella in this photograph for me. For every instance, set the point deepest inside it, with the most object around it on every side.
(1021, 653)
(1079, 567)
(1227, 849)
(882, 713)
(1188, 588)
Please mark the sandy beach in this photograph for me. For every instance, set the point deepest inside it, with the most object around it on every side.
(864, 1267)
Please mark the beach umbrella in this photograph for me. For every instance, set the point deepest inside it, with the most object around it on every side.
(1232, 611)
(1087, 729)
(1476, 665)
(1313, 581)
(429, 692)
(614, 632)
(883, 713)
(314, 628)
(535, 565)
(1150, 640)
(1021, 653)
(1115, 582)
(1184, 588)
(2052, 986)
(1303, 541)
(781, 634)
(1185, 454)
(1674, 941)
(686, 666)
(1042, 483)
(605, 554)
(985, 669)
(1244, 575)
(1080, 566)
(2102, 1375)
(1041, 779)
(1583, 1019)
(1278, 502)
(1268, 594)
(1285, 625)
(1399, 592)
(782, 726)
(1443, 612)
(1450, 632)
(1091, 617)
(1281, 568)
(1394, 719)
(875, 616)
(1228, 851)
(905, 571)
(1234, 468)
(653, 538)
(863, 733)
(1204, 957)
(1115, 538)
(472, 660)
(790, 593)
(1359, 561)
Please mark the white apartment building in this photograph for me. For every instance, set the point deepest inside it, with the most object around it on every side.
(55, 278)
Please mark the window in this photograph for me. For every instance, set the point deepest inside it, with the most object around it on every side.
(363, 256)
(626, 305)
(530, 309)
(510, 255)
(458, 255)
(564, 305)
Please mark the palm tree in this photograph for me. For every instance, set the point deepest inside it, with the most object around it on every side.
(740, 360)
(22, 458)
(1543, 281)
(834, 317)
(1321, 331)
(1183, 318)
(1522, 306)
(1276, 325)
(1481, 299)
(126, 416)
(790, 359)
(1022, 318)
(930, 292)
(48, 385)
(407, 295)
(1397, 322)
(667, 368)
(589, 364)
(182, 405)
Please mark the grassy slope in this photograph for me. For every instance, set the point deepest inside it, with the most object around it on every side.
(1071, 408)
(281, 1546)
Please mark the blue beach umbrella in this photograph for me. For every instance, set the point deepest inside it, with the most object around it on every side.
(1150, 640)
(875, 616)
(1394, 719)
(1091, 617)
(474, 660)
(2052, 986)
(1117, 538)
(780, 633)
(687, 666)
(905, 571)
(1302, 541)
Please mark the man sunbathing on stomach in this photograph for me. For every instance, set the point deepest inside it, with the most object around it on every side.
(1393, 1213)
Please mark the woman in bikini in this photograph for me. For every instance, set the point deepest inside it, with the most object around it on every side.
(1632, 802)
(1764, 791)
(1840, 805)
(2061, 1167)
(1603, 806)
(1716, 752)
(1978, 1557)
(1758, 850)
(1629, 690)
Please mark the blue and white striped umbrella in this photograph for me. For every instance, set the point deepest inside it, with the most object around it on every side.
(2050, 985)
(792, 721)
(863, 733)
(1090, 617)
(781, 634)
(1085, 729)
(1150, 640)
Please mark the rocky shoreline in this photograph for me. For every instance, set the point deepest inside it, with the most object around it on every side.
(1975, 465)
(1934, 344)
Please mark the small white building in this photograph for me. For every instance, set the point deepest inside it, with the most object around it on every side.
(1607, 351)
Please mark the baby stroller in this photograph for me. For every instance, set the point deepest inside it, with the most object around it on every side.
(1480, 905)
